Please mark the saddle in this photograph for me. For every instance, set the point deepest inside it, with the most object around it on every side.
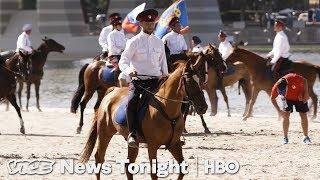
(145, 101)
(281, 68)
(109, 74)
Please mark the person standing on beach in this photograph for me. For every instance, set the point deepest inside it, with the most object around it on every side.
(293, 90)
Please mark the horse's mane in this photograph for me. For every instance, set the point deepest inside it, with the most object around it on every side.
(177, 65)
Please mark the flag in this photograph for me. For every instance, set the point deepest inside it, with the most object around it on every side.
(178, 9)
(130, 23)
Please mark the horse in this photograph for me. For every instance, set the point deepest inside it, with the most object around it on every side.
(38, 60)
(210, 56)
(240, 74)
(16, 66)
(162, 124)
(90, 80)
(257, 68)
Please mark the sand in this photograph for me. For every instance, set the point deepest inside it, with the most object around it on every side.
(255, 144)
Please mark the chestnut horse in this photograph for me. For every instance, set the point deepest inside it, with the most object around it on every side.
(89, 82)
(16, 66)
(38, 60)
(162, 124)
(240, 75)
(257, 69)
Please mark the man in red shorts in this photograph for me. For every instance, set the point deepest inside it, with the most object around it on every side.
(293, 90)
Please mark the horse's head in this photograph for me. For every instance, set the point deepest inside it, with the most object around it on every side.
(213, 56)
(53, 45)
(23, 64)
(192, 89)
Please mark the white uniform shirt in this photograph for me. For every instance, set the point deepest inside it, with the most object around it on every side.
(103, 37)
(197, 49)
(175, 42)
(24, 43)
(280, 48)
(225, 48)
(145, 54)
(116, 42)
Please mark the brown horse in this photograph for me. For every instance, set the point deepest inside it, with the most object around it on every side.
(16, 66)
(38, 60)
(212, 57)
(162, 124)
(89, 82)
(240, 75)
(257, 69)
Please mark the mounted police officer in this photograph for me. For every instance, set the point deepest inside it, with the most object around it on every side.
(175, 41)
(116, 40)
(280, 51)
(116, 44)
(144, 55)
(225, 47)
(103, 38)
(23, 42)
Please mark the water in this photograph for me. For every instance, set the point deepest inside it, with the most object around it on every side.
(61, 80)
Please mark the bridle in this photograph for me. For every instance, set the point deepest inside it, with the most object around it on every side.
(184, 75)
(158, 105)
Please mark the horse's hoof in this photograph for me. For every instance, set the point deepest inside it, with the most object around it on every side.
(185, 131)
(313, 117)
(39, 110)
(245, 118)
(79, 130)
(22, 130)
(207, 131)
(229, 115)
(213, 114)
(27, 110)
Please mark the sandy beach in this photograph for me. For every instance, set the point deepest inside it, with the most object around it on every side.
(255, 144)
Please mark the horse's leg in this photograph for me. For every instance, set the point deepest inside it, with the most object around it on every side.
(99, 99)
(247, 93)
(104, 136)
(86, 98)
(253, 99)
(213, 101)
(185, 108)
(314, 98)
(28, 95)
(176, 152)
(7, 105)
(37, 87)
(225, 97)
(152, 152)
(206, 129)
(19, 92)
(132, 156)
(12, 99)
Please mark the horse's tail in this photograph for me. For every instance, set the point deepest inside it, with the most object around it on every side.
(80, 91)
(87, 150)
